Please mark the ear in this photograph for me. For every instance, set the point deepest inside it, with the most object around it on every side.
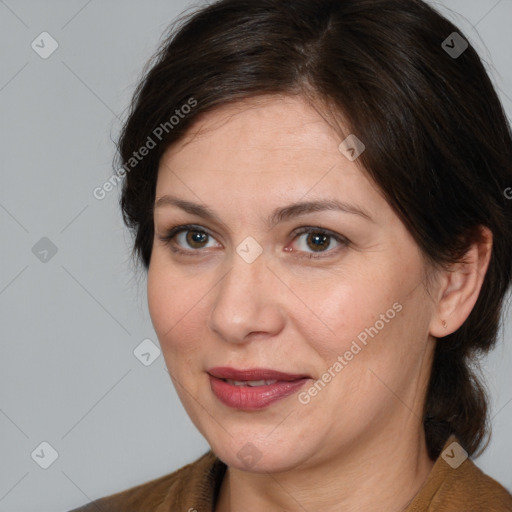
(459, 287)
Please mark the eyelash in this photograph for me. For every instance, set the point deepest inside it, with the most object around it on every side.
(172, 232)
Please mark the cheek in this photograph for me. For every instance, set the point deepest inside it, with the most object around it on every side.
(160, 293)
(343, 307)
(365, 322)
(177, 308)
(378, 344)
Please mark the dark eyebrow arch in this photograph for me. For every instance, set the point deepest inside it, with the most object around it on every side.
(277, 216)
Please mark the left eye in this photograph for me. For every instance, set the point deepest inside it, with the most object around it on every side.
(318, 239)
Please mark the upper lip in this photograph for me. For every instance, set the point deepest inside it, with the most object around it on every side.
(225, 372)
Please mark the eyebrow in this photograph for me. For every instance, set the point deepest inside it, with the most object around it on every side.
(278, 215)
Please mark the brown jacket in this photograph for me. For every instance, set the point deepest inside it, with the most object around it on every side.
(452, 486)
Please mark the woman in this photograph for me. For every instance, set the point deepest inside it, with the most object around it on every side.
(317, 192)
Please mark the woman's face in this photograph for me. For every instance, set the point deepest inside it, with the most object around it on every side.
(245, 292)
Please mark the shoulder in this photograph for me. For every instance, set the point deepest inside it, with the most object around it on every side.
(456, 483)
(477, 490)
(149, 495)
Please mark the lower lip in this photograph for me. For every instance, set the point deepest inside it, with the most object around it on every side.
(249, 398)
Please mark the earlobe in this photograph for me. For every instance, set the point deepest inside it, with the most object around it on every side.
(460, 287)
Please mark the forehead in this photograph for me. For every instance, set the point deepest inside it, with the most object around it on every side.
(285, 137)
(246, 161)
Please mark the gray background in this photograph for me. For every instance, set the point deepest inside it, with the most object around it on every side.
(70, 324)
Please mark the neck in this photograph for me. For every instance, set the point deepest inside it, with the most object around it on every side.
(383, 474)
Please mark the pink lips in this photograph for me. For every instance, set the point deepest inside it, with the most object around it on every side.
(225, 372)
(256, 397)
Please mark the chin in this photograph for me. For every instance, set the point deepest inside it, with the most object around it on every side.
(245, 453)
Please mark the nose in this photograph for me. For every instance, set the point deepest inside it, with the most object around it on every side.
(247, 304)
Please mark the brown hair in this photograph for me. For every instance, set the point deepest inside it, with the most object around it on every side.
(438, 143)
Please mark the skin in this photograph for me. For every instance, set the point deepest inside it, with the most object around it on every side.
(359, 443)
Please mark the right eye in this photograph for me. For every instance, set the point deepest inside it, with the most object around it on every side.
(191, 235)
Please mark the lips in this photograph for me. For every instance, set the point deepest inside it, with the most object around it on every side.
(253, 389)
(254, 374)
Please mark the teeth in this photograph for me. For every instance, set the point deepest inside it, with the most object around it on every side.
(251, 383)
